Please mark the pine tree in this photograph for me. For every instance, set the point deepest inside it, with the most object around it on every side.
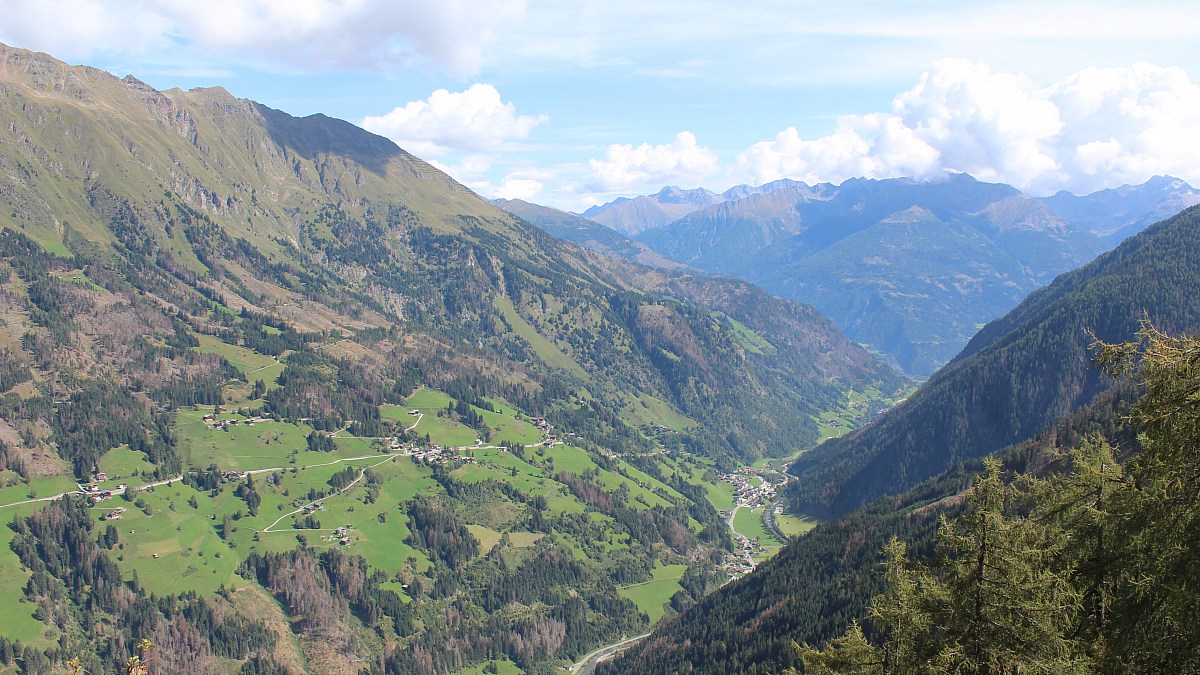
(850, 654)
(1008, 609)
(1155, 625)
(992, 602)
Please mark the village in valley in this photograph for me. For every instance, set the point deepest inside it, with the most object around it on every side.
(752, 489)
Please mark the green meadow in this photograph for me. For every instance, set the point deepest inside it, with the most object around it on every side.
(652, 596)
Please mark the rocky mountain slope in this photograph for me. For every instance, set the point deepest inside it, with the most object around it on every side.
(966, 253)
(1119, 213)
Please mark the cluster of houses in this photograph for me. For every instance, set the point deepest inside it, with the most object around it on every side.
(746, 493)
(98, 493)
(341, 535)
(741, 562)
(224, 423)
(436, 454)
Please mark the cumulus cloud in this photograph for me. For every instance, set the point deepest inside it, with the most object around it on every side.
(626, 167)
(1094, 129)
(475, 172)
(300, 35)
(475, 119)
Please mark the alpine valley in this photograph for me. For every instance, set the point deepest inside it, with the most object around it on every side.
(277, 396)
(281, 397)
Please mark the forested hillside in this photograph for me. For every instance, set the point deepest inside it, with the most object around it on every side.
(1016, 369)
(1084, 570)
(289, 399)
(1019, 374)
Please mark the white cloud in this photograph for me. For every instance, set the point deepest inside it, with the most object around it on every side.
(519, 185)
(475, 119)
(474, 172)
(298, 35)
(626, 167)
(1094, 129)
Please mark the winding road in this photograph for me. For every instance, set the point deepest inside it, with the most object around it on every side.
(587, 665)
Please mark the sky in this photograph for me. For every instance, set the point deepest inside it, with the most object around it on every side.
(572, 103)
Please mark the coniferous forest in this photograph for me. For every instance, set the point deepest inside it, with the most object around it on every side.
(1087, 569)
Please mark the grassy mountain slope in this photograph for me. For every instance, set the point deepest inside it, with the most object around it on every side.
(1018, 374)
(166, 254)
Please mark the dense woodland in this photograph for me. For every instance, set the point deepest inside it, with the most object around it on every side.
(1090, 569)
(812, 590)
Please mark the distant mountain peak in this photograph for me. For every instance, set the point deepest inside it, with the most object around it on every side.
(677, 195)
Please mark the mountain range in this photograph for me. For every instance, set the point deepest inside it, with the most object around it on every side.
(910, 268)
(278, 396)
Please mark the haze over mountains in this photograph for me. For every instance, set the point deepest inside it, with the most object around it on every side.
(911, 268)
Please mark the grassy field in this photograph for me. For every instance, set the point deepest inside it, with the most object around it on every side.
(176, 538)
(652, 596)
(265, 445)
(646, 409)
(442, 431)
(550, 354)
(747, 338)
(16, 615)
(122, 464)
(170, 546)
(720, 495)
(793, 525)
(499, 667)
(37, 487)
(504, 425)
(253, 365)
(749, 523)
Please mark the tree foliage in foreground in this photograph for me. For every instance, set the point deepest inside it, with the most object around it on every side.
(1090, 570)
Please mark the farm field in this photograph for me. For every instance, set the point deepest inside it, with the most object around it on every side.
(749, 523)
(652, 596)
(795, 524)
(253, 365)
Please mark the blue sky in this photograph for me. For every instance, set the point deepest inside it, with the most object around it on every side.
(575, 103)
